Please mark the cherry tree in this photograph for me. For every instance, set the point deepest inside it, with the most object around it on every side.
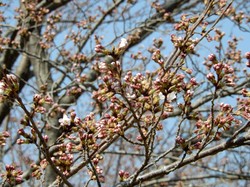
(124, 93)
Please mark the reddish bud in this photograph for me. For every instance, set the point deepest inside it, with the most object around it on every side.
(211, 57)
(139, 138)
(180, 140)
(211, 78)
(247, 55)
(99, 48)
(248, 63)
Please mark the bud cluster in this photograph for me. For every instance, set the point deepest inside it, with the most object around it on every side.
(156, 56)
(224, 120)
(159, 8)
(35, 14)
(50, 31)
(169, 82)
(108, 126)
(28, 137)
(185, 23)
(98, 173)
(63, 158)
(238, 17)
(188, 146)
(3, 136)
(4, 42)
(247, 55)
(233, 53)
(9, 86)
(39, 101)
(12, 176)
(224, 73)
(123, 175)
(187, 47)
(39, 106)
(38, 170)
(244, 107)
(71, 124)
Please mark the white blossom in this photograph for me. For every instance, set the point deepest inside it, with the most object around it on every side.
(2, 88)
(123, 43)
(171, 96)
(65, 121)
(162, 97)
(130, 96)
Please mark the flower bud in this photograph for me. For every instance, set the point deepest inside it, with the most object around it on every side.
(99, 48)
(247, 55)
(211, 78)
(211, 57)
(13, 81)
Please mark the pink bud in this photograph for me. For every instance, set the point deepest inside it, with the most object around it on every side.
(247, 55)
(95, 161)
(99, 48)
(9, 167)
(46, 138)
(180, 140)
(20, 131)
(212, 57)
(139, 138)
(18, 180)
(20, 141)
(248, 63)
(6, 134)
(121, 173)
(211, 77)
(193, 81)
(126, 174)
(12, 79)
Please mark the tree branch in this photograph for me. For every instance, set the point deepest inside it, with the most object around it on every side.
(231, 143)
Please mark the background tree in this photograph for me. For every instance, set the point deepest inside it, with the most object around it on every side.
(124, 93)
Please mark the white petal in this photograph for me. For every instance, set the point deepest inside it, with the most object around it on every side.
(171, 96)
(162, 97)
(123, 43)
